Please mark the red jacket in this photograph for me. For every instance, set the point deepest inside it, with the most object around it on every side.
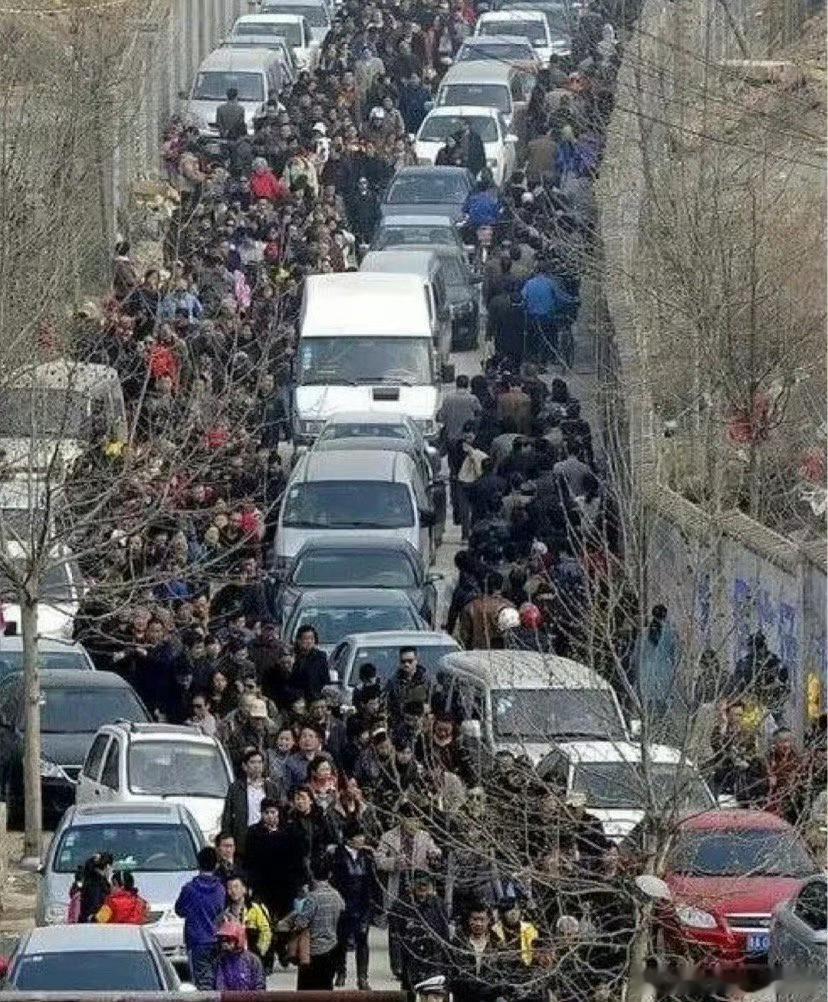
(124, 908)
(265, 184)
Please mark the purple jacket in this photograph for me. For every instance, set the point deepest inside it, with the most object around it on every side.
(239, 972)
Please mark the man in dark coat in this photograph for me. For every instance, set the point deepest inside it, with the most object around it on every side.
(310, 669)
(424, 928)
(353, 874)
(230, 117)
(363, 211)
(412, 104)
(242, 795)
(266, 843)
(409, 684)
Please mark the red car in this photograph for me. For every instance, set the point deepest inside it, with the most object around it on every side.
(727, 871)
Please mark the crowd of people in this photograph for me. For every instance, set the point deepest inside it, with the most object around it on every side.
(388, 812)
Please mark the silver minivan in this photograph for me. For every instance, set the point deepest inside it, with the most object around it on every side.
(255, 73)
(336, 495)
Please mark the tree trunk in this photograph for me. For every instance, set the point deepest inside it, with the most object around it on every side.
(31, 748)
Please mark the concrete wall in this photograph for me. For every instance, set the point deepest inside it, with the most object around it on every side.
(174, 46)
(722, 575)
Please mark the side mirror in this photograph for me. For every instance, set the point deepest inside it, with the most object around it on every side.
(333, 674)
(40, 868)
(436, 576)
(447, 373)
(183, 95)
(427, 518)
(428, 105)
(187, 986)
(635, 727)
(412, 137)
(511, 138)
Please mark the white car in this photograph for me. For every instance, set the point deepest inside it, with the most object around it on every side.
(137, 763)
(488, 123)
(511, 49)
(608, 778)
(293, 28)
(531, 24)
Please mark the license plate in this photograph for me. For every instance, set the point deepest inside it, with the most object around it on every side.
(758, 942)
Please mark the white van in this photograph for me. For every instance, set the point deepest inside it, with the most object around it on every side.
(316, 12)
(55, 408)
(255, 73)
(531, 24)
(293, 28)
(61, 590)
(366, 494)
(526, 701)
(365, 344)
(488, 84)
(427, 266)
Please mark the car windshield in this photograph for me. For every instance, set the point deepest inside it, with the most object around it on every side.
(386, 659)
(496, 51)
(363, 430)
(139, 847)
(477, 95)
(289, 30)
(313, 14)
(87, 971)
(611, 785)
(425, 235)
(557, 15)
(434, 189)
(535, 31)
(333, 622)
(437, 127)
(330, 360)
(176, 768)
(348, 504)
(12, 661)
(55, 583)
(83, 711)
(538, 714)
(213, 85)
(354, 568)
(740, 852)
(47, 413)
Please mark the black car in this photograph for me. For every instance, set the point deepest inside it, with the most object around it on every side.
(423, 191)
(391, 564)
(73, 705)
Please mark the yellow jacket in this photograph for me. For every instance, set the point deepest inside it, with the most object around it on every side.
(256, 920)
(528, 935)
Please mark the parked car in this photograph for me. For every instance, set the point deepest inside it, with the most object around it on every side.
(336, 612)
(355, 494)
(423, 191)
(727, 871)
(277, 44)
(133, 763)
(157, 841)
(499, 143)
(382, 650)
(87, 958)
(393, 564)
(316, 13)
(609, 777)
(396, 433)
(798, 943)
(73, 705)
(400, 230)
(62, 654)
(511, 49)
(292, 27)
(526, 701)
(531, 24)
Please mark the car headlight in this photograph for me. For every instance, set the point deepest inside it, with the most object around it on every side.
(48, 770)
(695, 918)
(56, 913)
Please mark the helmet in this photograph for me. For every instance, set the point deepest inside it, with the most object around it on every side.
(507, 619)
(530, 616)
